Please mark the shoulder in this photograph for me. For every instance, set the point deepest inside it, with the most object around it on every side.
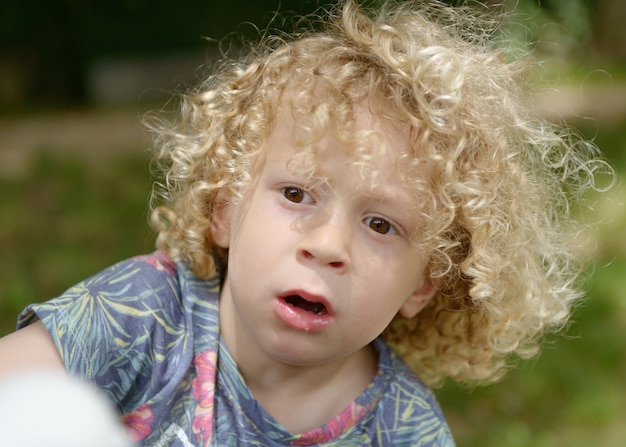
(409, 407)
(145, 276)
(112, 311)
(128, 289)
(126, 327)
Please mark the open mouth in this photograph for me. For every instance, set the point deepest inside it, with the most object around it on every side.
(309, 306)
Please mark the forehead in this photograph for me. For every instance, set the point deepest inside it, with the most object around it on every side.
(362, 140)
(374, 159)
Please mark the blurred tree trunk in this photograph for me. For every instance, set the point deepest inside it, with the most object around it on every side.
(609, 31)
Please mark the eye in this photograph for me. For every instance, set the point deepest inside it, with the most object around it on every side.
(379, 225)
(293, 194)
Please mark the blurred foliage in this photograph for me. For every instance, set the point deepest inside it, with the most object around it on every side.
(65, 221)
(568, 22)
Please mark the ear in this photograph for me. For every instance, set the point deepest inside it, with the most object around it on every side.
(418, 299)
(221, 220)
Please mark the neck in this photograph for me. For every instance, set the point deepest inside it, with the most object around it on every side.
(299, 397)
(265, 375)
(302, 398)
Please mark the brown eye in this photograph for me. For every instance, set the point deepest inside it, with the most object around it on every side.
(293, 194)
(379, 225)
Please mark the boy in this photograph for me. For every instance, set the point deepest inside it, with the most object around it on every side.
(374, 190)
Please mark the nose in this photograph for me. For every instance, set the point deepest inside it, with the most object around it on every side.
(326, 243)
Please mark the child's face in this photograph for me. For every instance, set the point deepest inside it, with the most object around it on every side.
(317, 271)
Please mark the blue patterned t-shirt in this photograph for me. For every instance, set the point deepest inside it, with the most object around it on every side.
(146, 331)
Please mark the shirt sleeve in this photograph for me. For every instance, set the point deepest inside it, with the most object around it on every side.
(119, 328)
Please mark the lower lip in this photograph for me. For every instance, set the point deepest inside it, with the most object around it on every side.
(301, 319)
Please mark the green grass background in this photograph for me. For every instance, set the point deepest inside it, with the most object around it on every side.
(66, 218)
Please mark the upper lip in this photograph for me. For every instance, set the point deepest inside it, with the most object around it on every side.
(310, 297)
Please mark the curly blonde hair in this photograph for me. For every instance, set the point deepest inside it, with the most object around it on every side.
(498, 223)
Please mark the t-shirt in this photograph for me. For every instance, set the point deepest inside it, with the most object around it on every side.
(146, 330)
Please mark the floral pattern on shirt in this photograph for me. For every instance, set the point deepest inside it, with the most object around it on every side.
(146, 331)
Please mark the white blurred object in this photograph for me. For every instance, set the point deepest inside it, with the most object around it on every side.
(54, 410)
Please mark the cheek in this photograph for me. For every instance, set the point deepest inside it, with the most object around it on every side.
(253, 241)
(371, 319)
(245, 223)
(403, 277)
